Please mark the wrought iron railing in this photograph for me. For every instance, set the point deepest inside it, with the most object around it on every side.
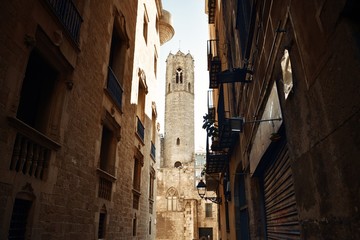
(140, 129)
(68, 15)
(227, 137)
(114, 88)
(153, 150)
(214, 63)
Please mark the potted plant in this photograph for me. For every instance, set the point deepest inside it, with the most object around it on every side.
(211, 129)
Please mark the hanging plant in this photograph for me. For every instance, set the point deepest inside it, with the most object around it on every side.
(210, 126)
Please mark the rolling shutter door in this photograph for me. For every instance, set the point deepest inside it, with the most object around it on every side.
(280, 206)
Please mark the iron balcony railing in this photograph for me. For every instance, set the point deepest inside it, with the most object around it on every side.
(140, 129)
(227, 137)
(216, 158)
(114, 88)
(153, 150)
(214, 63)
(68, 15)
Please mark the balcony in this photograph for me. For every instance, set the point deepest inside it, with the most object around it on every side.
(32, 150)
(105, 187)
(227, 137)
(68, 16)
(106, 181)
(114, 88)
(216, 160)
(166, 27)
(29, 157)
(211, 11)
(214, 63)
(140, 129)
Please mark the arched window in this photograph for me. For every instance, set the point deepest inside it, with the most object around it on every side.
(179, 75)
(189, 87)
(178, 141)
(171, 197)
(169, 87)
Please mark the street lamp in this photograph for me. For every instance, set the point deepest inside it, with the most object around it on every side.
(201, 187)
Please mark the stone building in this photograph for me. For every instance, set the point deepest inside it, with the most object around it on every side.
(284, 80)
(180, 212)
(78, 118)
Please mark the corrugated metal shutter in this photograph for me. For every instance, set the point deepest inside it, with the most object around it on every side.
(282, 220)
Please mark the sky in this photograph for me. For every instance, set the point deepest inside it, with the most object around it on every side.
(191, 35)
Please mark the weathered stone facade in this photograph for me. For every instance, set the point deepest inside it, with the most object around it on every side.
(180, 212)
(296, 64)
(78, 119)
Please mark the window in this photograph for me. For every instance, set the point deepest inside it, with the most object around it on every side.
(109, 138)
(140, 108)
(208, 210)
(172, 196)
(138, 164)
(178, 141)
(155, 61)
(145, 26)
(40, 107)
(107, 151)
(19, 218)
(153, 131)
(286, 73)
(157, 24)
(37, 93)
(134, 225)
(244, 20)
(150, 226)
(179, 75)
(102, 223)
(151, 183)
(151, 189)
(137, 175)
(117, 60)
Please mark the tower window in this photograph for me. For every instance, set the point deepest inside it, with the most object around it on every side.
(172, 196)
(178, 141)
(179, 75)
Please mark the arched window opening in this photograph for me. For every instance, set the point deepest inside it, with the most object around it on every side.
(179, 75)
(169, 88)
(178, 141)
(189, 87)
(178, 164)
(171, 197)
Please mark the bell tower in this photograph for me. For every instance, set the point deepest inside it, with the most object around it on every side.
(179, 109)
